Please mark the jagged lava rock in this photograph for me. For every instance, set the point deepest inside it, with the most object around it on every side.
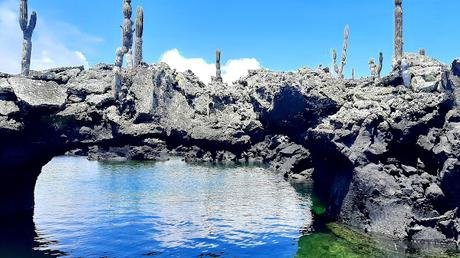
(383, 157)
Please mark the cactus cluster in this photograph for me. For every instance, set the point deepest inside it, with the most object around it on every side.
(218, 70)
(339, 69)
(398, 37)
(127, 43)
(27, 27)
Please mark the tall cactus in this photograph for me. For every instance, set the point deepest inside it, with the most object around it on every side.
(27, 28)
(127, 41)
(380, 65)
(345, 50)
(398, 37)
(128, 31)
(218, 70)
(139, 33)
(339, 69)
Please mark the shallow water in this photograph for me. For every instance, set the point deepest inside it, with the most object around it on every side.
(166, 209)
(174, 209)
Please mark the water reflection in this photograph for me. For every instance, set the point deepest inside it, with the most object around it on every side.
(174, 209)
(18, 238)
(86, 208)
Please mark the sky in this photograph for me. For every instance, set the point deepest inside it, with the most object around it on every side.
(274, 34)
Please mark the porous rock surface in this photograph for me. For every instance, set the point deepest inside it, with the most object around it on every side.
(383, 157)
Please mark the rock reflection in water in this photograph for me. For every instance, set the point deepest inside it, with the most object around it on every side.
(171, 208)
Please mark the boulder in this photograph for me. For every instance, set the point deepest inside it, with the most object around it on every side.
(8, 108)
(38, 94)
(456, 67)
(450, 176)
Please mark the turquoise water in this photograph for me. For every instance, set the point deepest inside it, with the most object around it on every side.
(166, 209)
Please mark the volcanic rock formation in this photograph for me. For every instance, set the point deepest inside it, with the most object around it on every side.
(383, 157)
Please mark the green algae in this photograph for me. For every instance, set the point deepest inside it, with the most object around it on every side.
(339, 241)
(318, 207)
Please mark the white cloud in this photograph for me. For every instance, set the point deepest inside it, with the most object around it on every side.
(49, 48)
(235, 69)
(231, 71)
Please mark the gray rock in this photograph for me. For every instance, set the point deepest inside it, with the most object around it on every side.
(428, 233)
(8, 108)
(141, 130)
(434, 193)
(8, 125)
(143, 89)
(59, 75)
(94, 81)
(408, 170)
(92, 135)
(100, 100)
(6, 92)
(46, 94)
(80, 112)
(450, 175)
(456, 67)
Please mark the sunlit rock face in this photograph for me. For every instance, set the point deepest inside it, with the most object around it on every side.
(348, 136)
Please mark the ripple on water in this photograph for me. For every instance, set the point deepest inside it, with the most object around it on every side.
(86, 208)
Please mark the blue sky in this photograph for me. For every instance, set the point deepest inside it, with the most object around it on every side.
(280, 35)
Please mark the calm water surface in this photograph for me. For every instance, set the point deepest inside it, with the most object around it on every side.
(173, 209)
(166, 209)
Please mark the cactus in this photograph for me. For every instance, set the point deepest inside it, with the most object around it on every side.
(139, 33)
(380, 65)
(373, 68)
(127, 40)
(127, 28)
(218, 71)
(127, 31)
(345, 50)
(398, 37)
(339, 69)
(334, 61)
(27, 27)
(376, 70)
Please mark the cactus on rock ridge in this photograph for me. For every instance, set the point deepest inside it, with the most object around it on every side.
(376, 70)
(339, 69)
(218, 69)
(139, 33)
(398, 34)
(127, 40)
(380, 65)
(27, 27)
